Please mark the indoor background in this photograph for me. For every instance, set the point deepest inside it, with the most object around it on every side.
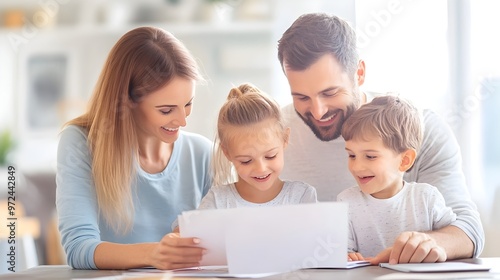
(442, 55)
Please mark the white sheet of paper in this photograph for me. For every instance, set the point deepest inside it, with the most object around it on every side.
(201, 271)
(289, 237)
(210, 227)
(436, 267)
(354, 264)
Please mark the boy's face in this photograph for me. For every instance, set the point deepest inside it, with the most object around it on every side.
(376, 168)
(257, 154)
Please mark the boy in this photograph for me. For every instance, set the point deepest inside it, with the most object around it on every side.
(382, 141)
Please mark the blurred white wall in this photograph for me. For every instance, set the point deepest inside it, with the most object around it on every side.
(234, 41)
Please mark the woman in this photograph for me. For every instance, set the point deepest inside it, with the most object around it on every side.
(125, 170)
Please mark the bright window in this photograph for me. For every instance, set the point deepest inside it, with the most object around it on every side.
(404, 45)
(444, 55)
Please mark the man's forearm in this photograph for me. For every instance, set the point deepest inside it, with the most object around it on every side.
(454, 241)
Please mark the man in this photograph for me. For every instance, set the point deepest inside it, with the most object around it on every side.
(319, 58)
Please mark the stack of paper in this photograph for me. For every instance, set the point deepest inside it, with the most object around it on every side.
(436, 267)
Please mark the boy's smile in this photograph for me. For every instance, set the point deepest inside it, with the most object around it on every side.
(375, 167)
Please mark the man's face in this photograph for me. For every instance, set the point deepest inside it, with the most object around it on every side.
(324, 96)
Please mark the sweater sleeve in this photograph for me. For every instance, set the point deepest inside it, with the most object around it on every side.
(441, 214)
(439, 163)
(76, 200)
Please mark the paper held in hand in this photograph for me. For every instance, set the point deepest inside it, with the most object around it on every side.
(272, 239)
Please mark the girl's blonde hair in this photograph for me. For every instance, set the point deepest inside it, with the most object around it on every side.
(245, 105)
(395, 120)
(141, 62)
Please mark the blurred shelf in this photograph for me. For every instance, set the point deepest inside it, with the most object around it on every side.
(178, 29)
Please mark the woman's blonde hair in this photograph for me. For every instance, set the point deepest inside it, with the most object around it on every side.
(395, 120)
(245, 105)
(142, 61)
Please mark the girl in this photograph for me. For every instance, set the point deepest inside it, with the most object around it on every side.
(251, 137)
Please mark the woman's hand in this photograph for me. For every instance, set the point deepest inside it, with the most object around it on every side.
(173, 252)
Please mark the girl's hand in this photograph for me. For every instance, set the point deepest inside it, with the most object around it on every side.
(173, 252)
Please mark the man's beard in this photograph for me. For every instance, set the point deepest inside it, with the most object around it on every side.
(332, 132)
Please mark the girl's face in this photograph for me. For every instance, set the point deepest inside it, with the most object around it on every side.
(161, 113)
(377, 169)
(256, 152)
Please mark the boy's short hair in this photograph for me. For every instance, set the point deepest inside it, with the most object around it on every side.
(395, 120)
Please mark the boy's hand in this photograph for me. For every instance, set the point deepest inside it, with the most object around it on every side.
(354, 256)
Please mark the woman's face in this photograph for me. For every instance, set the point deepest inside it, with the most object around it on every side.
(161, 113)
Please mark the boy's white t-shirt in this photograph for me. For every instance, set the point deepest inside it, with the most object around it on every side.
(374, 224)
